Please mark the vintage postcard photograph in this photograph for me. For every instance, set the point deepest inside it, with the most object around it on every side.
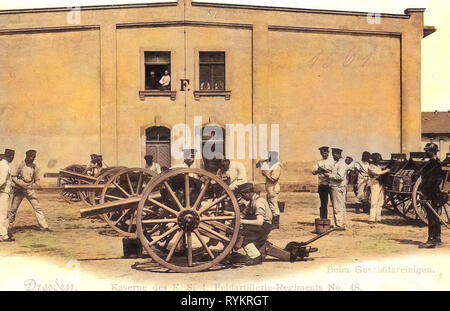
(224, 145)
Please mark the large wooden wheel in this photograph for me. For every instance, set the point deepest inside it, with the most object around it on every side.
(421, 204)
(193, 225)
(401, 203)
(124, 184)
(70, 196)
(93, 197)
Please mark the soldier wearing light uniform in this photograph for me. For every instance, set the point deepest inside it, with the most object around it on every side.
(233, 172)
(363, 187)
(24, 177)
(338, 184)
(271, 170)
(377, 190)
(256, 222)
(95, 165)
(5, 192)
(321, 167)
(151, 165)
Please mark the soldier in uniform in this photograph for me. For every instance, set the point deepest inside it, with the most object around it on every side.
(24, 177)
(363, 186)
(256, 224)
(234, 173)
(95, 165)
(151, 165)
(338, 184)
(324, 166)
(5, 191)
(271, 170)
(377, 190)
(431, 180)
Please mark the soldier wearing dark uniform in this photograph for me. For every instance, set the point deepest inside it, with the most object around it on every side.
(431, 180)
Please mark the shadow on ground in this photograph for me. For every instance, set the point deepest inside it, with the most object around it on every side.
(407, 242)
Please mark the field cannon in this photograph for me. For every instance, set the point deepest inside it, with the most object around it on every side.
(403, 187)
(187, 220)
(78, 183)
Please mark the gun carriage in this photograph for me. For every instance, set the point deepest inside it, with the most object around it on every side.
(403, 186)
(186, 219)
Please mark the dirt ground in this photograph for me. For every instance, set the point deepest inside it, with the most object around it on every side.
(85, 254)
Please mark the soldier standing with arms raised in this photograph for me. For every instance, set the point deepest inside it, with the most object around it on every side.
(338, 184)
(324, 166)
(271, 170)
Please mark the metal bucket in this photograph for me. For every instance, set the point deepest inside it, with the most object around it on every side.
(132, 248)
(322, 225)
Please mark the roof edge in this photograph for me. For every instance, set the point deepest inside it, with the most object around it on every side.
(295, 10)
(90, 8)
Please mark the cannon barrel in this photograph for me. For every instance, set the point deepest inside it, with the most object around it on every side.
(83, 177)
(113, 206)
(78, 187)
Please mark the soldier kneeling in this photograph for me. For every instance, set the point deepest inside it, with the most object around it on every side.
(256, 224)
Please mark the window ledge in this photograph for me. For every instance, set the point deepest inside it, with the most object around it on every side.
(207, 93)
(157, 93)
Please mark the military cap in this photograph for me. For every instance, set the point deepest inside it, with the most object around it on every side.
(324, 148)
(247, 187)
(30, 152)
(148, 156)
(93, 156)
(431, 147)
(336, 150)
(9, 152)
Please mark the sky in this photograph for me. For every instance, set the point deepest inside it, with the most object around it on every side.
(435, 48)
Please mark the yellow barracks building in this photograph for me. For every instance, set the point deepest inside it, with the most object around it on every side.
(87, 80)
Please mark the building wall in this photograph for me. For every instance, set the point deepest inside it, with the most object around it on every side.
(326, 77)
(50, 96)
(347, 94)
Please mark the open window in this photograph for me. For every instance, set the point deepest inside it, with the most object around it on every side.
(157, 70)
(157, 80)
(212, 75)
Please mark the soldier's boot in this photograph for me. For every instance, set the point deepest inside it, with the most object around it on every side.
(431, 243)
(255, 257)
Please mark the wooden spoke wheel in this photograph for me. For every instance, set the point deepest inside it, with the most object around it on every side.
(124, 184)
(402, 205)
(94, 171)
(193, 225)
(388, 203)
(93, 197)
(421, 204)
(70, 196)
